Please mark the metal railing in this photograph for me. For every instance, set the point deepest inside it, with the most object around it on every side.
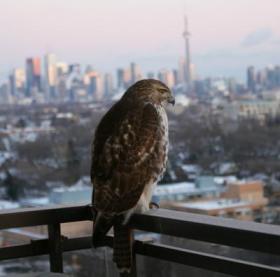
(246, 235)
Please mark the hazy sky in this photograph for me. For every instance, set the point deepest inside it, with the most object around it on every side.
(227, 35)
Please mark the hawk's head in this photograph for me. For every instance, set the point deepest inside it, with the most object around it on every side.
(150, 90)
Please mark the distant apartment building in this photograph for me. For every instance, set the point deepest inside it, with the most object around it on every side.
(258, 109)
(33, 75)
(242, 200)
(50, 76)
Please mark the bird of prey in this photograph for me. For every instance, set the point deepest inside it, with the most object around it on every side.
(129, 155)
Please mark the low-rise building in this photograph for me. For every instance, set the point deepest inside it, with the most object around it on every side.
(242, 200)
(259, 109)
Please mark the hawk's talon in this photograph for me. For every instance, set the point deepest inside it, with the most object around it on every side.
(153, 206)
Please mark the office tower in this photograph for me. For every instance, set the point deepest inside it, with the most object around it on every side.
(5, 93)
(135, 73)
(74, 83)
(151, 75)
(123, 78)
(17, 82)
(108, 85)
(277, 75)
(33, 75)
(120, 78)
(166, 77)
(127, 78)
(186, 36)
(50, 75)
(62, 91)
(61, 69)
(251, 79)
(95, 87)
(272, 77)
(175, 76)
(261, 78)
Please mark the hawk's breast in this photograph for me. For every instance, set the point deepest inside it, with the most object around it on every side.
(163, 141)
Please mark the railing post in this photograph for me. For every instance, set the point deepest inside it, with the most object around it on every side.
(55, 248)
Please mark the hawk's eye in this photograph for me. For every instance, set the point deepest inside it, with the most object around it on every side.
(162, 90)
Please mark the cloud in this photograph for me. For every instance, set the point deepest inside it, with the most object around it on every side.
(257, 37)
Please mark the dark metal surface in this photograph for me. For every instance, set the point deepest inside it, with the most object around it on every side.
(173, 254)
(247, 235)
(44, 216)
(241, 234)
(55, 248)
(206, 260)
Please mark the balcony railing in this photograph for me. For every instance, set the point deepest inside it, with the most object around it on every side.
(246, 235)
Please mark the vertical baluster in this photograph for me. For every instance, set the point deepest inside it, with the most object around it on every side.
(55, 248)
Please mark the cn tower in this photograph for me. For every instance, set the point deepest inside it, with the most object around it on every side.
(186, 36)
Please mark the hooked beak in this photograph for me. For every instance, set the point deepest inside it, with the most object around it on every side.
(171, 100)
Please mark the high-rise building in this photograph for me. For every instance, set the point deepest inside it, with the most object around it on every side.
(120, 78)
(108, 85)
(5, 93)
(251, 79)
(50, 75)
(175, 75)
(166, 77)
(33, 75)
(61, 69)
(186, 36)
(277, 75)
(150, 75)
(95, 87)
(135, 73)
(123, 78)
(17, 82)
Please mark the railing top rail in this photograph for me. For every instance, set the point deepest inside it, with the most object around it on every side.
(243, 234)
(14, 218)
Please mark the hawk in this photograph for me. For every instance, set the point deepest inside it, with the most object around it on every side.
(129, 155)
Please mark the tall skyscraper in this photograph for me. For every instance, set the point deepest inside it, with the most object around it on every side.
(17, 80)
(61, 69)
(108, 85)
(186, 36)
(120, 78)
(95, 87)
(50, 75)
(151, 75)
(33, 75)
(251, 79)
(135, 73)
(166, 77)
(123, 78)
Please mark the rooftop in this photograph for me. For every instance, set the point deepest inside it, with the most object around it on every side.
(214, 204)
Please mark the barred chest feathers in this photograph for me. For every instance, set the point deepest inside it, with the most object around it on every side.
(161, 159)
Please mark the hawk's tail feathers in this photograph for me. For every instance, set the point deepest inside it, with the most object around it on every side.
(123, 247)
(101, 226)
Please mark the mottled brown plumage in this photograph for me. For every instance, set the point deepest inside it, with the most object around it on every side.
(129, 154)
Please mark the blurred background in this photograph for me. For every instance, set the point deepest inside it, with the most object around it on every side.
(64, 63)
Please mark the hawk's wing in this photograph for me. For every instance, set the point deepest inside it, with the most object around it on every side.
(121, 163)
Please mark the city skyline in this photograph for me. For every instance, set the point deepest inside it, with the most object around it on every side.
(98, 34)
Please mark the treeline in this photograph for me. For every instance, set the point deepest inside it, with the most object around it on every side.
(253, 145)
